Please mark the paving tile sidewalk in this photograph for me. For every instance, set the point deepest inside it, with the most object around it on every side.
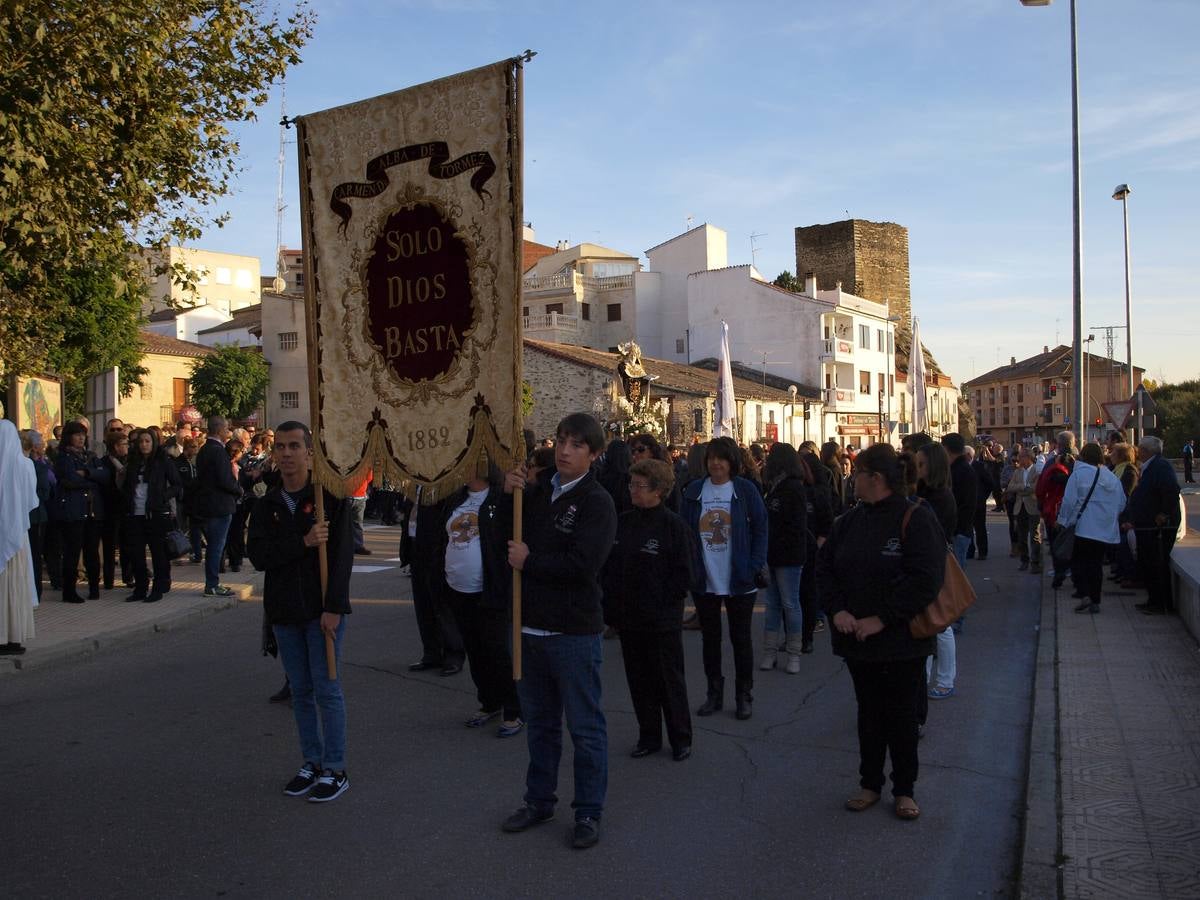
(1116, 741)
(66, 631)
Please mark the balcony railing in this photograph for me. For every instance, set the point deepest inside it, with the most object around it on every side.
(834, 396)
(564, 281)
(569, 281)
(611, 283)
(551, 321)
(835, 348)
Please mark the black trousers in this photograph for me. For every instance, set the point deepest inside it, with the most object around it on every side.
(35, 550)
(1010, 508)
(1154, 564)
(654, 670)
(142, 533)
(235, 540)
(80, 537)
(112, 540)
(809, 608)
(52, 553)
(1087, 567)
(888, 696)
(739, 610)
(486, 636)
(440, 640)
(981, 537)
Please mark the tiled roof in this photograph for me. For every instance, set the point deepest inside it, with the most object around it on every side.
(169, 346)
(1052, 363)
(246, 317)
(671, 377)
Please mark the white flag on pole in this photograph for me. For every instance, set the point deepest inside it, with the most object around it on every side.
(725, 410)
(915, 386)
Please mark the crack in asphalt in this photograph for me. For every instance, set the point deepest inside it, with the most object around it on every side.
(824, 683)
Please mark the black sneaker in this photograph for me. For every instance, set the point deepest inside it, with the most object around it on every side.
(587, 833)
(329, 786)
(524, 818)
(219, 591)
(303, 782)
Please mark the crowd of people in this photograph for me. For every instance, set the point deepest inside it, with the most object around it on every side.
(108, 503)
(618, 535)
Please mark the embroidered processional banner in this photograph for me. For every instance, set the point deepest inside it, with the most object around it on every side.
(411, 212)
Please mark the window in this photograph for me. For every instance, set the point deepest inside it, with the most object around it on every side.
(679, 345)
(586, 311)
(299, 278)
(879, 339)
(614, 312)
(992, 417)
(891, 385)
(1004, 418)
(978, 399)
(243, 279)
(1020, 393)
(991, 395)
(1004, 395)
(554, 308)
(287, 340)
(891, 343)
(882, 379)
(224, 276)
(864, 336)
(524, 310)
(864, 382)
(771, 416)
(289, 399)
(147, 391)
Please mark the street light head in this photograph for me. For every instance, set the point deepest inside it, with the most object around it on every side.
(1121, 191)
(1035, 2)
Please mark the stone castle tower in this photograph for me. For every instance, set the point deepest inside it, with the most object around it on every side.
(870, 259)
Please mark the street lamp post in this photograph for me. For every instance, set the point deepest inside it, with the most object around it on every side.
(1122, 192)
(1076, 207)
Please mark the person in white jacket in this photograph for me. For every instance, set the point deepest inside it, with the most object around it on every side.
(1095, 521)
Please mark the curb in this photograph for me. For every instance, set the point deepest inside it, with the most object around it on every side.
(105, 641)
(1040, 873)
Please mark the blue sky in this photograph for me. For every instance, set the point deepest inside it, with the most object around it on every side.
(950, 117)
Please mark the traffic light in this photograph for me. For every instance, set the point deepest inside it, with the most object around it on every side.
(1098, 420)
(1054, 390)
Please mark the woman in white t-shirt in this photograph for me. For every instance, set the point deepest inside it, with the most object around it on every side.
(477, 587)
(727, 513)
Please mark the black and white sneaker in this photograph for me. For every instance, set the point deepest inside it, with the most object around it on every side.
(303, 782)
(329, 786)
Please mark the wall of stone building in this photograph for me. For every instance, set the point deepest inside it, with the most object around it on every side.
(561, 387)
(870, 259)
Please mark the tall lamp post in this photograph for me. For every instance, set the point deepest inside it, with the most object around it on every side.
(1077, 267)
(1122, 192)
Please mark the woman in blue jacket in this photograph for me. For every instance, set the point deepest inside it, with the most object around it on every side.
(727, 513)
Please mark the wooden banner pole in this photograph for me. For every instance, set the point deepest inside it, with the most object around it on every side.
(323, 563)
(518, 508)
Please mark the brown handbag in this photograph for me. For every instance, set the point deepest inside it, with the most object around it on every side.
(954, 599)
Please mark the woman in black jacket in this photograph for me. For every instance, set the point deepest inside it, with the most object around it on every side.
(477, 586)
(787, 542)
(883, 564)
(645, 580)
(646, 446)
(79, 510)
(151, 483)
(112, 541)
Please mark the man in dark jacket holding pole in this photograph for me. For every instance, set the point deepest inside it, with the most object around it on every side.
(1153, 514)
(284, 539)
(570, 522)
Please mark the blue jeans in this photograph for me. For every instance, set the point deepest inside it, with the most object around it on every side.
(302, 652)
(215, 531)
(782, 598)
(961, 543)
(561, 676)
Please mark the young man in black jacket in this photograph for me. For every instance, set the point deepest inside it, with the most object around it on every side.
(569, 524)
(284, 537)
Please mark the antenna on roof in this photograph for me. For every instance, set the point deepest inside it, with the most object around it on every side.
(754, 249)
(280, 284)
(687, 222)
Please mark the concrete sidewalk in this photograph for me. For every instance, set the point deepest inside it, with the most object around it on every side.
(1113, 799)
(67, 631)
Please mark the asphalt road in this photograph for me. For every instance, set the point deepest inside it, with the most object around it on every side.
(157, 771)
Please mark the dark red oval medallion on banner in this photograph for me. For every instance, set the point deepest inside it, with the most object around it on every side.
(419, 301)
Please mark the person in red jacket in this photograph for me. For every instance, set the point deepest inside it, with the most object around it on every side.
(1049, 492)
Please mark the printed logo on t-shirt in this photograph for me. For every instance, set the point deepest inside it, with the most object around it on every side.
(715, 528)
(464, 528)
(651, 547)
(891, 548)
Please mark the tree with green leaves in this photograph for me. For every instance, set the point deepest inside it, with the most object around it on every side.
(1178, 414)
(114, 122)
(231, 382)
(787, 281)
